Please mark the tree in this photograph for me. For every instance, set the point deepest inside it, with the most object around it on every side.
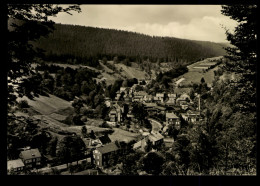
(72, 169)
(202, 80)
(26, 24)
(139, 112)
(76, 119)
(92, 135)
(71, 148)
(139, 88)
(84, 131)
(148, 146)
(181, 150)
(242, 57)
(130, 163)
(55, 171)
(77, 104)
(154, 168)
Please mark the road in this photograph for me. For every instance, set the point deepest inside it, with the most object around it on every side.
(59, 167)
(155, 124)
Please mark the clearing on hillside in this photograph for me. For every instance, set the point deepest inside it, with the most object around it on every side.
(46, 104)
(122, 135)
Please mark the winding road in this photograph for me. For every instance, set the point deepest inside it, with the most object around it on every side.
(155, 124)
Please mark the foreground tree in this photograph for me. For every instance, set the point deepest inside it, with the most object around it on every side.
(26, 24)
(242, 57)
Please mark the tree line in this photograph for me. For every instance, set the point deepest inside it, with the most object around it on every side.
(84, 45)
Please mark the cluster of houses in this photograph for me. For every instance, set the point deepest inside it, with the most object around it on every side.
(172, 106)
(28, 159)
(160, 103)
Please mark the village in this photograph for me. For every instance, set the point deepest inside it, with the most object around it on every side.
(170, 107)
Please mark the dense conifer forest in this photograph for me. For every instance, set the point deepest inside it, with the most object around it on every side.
(85, 45)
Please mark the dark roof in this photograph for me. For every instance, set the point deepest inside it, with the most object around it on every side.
(104, 139)
(29, 154)
(111, 147)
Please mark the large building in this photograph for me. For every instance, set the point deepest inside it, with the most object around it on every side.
(172, 119)
(31, 158)
(191, 116)
(101, 154)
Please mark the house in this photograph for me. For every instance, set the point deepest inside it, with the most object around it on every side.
(94, 143)
(184, 106)
(154, 137)
(115, 114)
(108, 101)
(172, 119)
(184, 96)
(31, 157)
(15, 165)
(148, 98)
(151, 108)
(130, 114)
(191, 116)
(101, 154)
(125, 92)
(159, 97)
(118, 95)
(123, 89)
(140, 145)
(160, 110)
(127, 98)
(171, 98)
(139, 96)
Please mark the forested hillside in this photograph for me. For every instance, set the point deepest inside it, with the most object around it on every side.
(85, 45)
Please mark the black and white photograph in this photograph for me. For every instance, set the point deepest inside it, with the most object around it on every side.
(132, 89)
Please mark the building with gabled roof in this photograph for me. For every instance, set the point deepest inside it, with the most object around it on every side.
(172, 119)
(148, 98)
(15, 165)
(31, 158)
(171, 98)
(191, 116)
(140, 145)
(154, 137)
(101, 154)
(159, 97)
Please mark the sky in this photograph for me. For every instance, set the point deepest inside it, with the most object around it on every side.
(195, 22)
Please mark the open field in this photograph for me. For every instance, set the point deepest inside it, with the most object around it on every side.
(47, 105)
(122, 135)
(52, 110)
(131, 72)
(195, 77)
(196, 72)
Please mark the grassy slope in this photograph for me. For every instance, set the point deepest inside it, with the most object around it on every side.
(122, 135)
(195, 75)
(47, 105)
(51, 110)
